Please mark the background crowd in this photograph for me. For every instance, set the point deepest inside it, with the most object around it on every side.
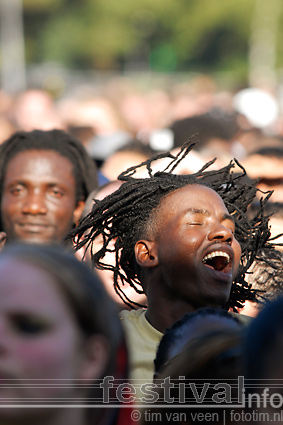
(121, 126)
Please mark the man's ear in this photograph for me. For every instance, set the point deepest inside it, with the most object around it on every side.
(146, 253)
(77, 213)
(95, 358)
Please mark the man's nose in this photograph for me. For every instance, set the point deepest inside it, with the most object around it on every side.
(35, 203)
(221, 232)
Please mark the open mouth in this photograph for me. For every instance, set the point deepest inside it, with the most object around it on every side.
(218, 260)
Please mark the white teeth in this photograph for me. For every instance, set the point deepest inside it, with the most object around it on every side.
(216, 254)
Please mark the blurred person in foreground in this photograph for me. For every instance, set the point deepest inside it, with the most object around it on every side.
(202, 353)
(191, 326)
(211, 359)
(59, 337)
(263, 364)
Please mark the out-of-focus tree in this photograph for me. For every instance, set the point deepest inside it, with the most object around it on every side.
(39, 5)
(263, 41)
(12, 46)
(203, 35)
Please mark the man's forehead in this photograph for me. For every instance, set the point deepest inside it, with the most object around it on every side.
(192, 198)
(36, 152)
(204, 201)
(39, 165)
(39, 155)
(196, 193)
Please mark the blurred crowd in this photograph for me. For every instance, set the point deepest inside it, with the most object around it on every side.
(228, 123)
(121, 125)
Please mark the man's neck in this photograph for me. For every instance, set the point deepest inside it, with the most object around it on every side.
(162, 316)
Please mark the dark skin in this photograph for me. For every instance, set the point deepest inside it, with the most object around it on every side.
(38, 202)
(191, 258)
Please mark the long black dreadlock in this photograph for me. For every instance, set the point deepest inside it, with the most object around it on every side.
(123, 216)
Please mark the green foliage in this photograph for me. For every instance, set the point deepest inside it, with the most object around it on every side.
(86, 32)
(279, 63)
(213, 25)
(40, 5)
(196, 34)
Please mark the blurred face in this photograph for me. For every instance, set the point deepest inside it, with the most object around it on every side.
(198, 255)
(39, 197)
(39, 337)
(269, 170)
(266, 184)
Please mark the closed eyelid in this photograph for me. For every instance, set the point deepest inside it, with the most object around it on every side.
(200, 217)
(192, 212)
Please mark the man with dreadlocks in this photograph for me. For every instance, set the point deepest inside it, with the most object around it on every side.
(45, 177)
(184, 240)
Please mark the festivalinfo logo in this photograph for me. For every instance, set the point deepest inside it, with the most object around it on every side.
(111, 392)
